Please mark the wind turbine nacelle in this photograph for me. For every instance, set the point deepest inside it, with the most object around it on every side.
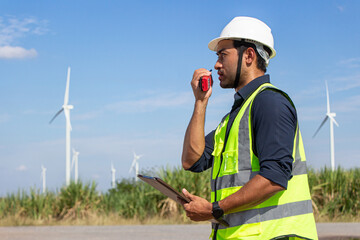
(68, 107)
(333, 114)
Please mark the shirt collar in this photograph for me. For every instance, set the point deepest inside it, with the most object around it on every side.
(247, 90)
(244, 92)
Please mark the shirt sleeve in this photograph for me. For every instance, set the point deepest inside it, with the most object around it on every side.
(274, 124)
(206, 159)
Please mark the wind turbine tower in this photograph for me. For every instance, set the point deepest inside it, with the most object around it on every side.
(135, 164)
(43, 175)
(113, 170)
(75, 161)
(331, 116)
(66, 108)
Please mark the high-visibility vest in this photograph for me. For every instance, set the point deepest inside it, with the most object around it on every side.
(287, 213)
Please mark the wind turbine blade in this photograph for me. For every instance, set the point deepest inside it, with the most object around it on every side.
(333, 120)
(132, 166)
(323, 122)
(67, 117)
(327, 99)
(66, 98)
(73, 159)
(72, 163)
(57, 114)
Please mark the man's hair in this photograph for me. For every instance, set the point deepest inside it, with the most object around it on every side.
(261, 64)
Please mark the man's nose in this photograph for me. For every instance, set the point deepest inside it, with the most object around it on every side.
(217, 65)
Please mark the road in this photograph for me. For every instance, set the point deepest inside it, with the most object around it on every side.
(327, 231)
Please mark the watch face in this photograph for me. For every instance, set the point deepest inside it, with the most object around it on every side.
(217, 212)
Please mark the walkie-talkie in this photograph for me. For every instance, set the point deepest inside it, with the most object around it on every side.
(206, 82)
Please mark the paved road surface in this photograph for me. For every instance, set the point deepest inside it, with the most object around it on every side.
(326, 231)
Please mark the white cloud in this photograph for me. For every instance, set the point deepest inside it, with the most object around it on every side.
(335, 84)
(9, 52)
(348, 105)
(347, 82)
(222, 99)
(311, 113)
(340, 8)
(12, 29)
(88, 115)
(317, 112)
(21, 168)
(351, 62)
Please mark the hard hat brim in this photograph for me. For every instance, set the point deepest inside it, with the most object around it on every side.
(213, 44)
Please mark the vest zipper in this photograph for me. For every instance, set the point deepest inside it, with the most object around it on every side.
(217, 175)
(221, 156)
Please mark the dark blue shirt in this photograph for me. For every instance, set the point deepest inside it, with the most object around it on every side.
(274, 124)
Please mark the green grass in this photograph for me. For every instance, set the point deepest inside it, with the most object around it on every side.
(335, 197)
(335, 194)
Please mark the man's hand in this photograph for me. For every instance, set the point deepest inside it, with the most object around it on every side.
(200, 95)
(198, 209)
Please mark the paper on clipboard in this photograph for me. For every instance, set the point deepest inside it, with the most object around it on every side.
(170, 192)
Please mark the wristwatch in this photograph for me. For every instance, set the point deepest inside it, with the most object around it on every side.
(217, 212)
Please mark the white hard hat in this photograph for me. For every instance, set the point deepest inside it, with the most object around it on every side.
(250, 30)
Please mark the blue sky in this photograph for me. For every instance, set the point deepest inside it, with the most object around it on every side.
(131, 66)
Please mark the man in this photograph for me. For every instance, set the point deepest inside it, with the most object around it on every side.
(258, 180)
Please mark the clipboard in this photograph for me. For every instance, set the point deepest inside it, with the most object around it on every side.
(164, 188)
(170, 192)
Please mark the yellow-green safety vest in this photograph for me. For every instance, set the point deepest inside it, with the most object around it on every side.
(287, 213)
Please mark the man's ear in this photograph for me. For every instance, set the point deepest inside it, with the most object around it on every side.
(250, 55)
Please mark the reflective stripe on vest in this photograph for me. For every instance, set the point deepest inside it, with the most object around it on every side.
(235, 164)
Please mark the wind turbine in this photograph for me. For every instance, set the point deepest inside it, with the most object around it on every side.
(113, 170)
(331, 116)
(43, 174)
(66, 108)
(75, 160)
(135, 165)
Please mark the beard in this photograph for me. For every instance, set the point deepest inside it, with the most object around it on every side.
(227, 84)
(227, 81)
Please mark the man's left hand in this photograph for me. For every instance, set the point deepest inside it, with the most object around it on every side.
(198, 209)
